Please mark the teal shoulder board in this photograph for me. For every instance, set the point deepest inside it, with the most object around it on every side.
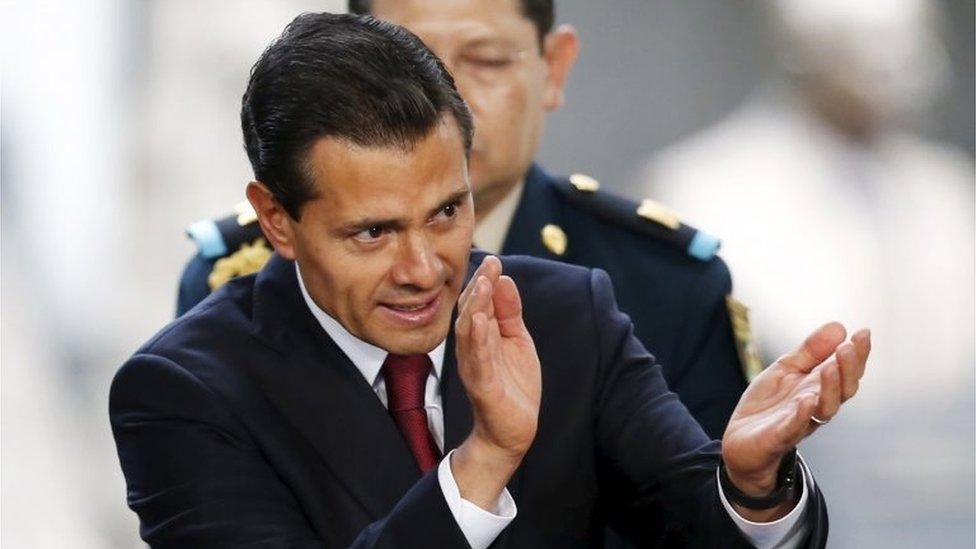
(648, 217)
(218, 237)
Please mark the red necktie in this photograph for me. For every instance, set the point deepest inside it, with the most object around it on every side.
(406, 378)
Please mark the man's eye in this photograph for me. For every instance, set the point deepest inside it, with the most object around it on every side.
(447, 212)
(369, 235)
(490, 62)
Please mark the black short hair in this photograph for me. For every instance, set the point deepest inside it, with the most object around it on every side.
(344, 76)
(542, 13)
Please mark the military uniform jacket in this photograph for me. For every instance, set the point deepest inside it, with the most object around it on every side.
(677, 302)
(242, 423)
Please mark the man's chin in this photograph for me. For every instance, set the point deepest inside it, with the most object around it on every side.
(413, 342)
(408, 348)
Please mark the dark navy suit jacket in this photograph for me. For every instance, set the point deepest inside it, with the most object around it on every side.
(242, 423)
(677, 302)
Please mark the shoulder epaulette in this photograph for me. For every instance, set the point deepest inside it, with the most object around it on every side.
(648, 217)
(218, 237)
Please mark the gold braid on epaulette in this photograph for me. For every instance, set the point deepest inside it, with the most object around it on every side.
(246, 260)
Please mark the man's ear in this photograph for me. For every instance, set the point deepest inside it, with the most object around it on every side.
(559, 51)
(275, 222)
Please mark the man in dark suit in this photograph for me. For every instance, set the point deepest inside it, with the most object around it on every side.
(511, 66)
(367, 388)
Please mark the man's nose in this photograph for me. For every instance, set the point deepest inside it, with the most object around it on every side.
(417, 263)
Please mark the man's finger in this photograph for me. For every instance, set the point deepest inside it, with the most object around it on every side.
(816, 348)
(475, 288)
(469, 287)
(830, 392)
(862, 344)
(463, 336)
(482, 370)
(490, 268)
(851, 368)
(472, 367)
(797, 426)
(508, 308)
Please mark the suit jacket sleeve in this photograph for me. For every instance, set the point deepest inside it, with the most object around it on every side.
(658, 465)
(196, 479)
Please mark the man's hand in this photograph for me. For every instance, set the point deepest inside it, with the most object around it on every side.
(499, 367)
(775, 412)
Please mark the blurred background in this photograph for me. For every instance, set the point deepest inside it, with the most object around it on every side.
(829, 143)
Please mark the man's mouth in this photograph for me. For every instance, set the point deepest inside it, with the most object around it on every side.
(414, 313)
(409, 308)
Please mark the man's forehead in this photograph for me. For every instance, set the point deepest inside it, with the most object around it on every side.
(475, 22)
(352, 176)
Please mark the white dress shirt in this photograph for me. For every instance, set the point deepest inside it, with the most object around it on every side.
(479, 526)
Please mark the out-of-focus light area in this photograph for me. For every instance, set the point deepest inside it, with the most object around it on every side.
(829, 143)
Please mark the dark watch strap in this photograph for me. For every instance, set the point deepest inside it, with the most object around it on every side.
(787, 478)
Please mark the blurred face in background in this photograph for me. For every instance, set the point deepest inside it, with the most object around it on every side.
(508, 80)
(383, 246)
(864, 63)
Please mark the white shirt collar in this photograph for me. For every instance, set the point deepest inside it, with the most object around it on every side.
(366, 357)
(490, 232)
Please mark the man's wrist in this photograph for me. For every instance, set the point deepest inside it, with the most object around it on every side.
(756, 487)
(765, 497)
(482, 471)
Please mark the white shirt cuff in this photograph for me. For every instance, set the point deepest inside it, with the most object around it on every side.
(479, 526)
(785, 532)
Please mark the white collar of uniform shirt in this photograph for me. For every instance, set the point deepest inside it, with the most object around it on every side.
(369, 359)
(490, 232)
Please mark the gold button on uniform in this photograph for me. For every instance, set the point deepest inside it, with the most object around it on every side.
(554, 239)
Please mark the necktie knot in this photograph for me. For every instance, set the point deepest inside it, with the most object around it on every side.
(406, 381)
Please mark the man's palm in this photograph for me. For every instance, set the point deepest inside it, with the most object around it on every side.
(775, 412)
(498, 362)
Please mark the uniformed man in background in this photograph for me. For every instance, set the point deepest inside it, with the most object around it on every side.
(511, 66)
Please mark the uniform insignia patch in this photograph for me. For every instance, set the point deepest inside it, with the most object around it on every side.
(248, 259)
(659, 213)
(584, 183)
(245, 213)
(742, 329)
(554, 239)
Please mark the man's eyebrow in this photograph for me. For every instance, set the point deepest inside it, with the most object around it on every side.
(393, 223)
(369, 223)
(454, 198)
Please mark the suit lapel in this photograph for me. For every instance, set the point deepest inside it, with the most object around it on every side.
(457, 407)
(325, 396)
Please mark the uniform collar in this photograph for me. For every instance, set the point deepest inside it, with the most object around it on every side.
(490, 232)
(539, 206)
(367, 358)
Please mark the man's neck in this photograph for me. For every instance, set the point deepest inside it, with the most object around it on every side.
(843, 116)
